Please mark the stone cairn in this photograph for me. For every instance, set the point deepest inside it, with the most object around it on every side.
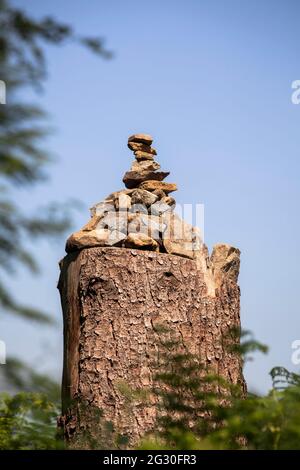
(114, 296)
(141, 216)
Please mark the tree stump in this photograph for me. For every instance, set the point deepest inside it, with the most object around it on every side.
(112, 300)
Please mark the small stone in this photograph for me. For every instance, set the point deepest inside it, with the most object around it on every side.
(114, 221)
(151, 226)
(140, 156)
(113, 196)
(149, 165)
(141, 241)
(160, 193)
(115, 238)
(156, 185)
(102, 207)
(141, 138)
(177, 228)
(92, 224)
(131, 216)
(179, 238)
(135, 146)
(138, 209)
(159, 208)
(140, 196)
(133, 179)
(123, 202)
(169, 200)
(179, 248)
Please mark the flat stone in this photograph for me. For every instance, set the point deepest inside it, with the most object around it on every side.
(135, 146)
(83, 239)
(140, 156)
(141, 165)
(98, 237)
(156, 185)
(140, 196)
(141, 241)
(141, 138)
(132, 179)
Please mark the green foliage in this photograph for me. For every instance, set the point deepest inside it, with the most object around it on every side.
(202, 411)
(243, 344)
(187, 394)
(20, 376)
(23, 157)
(184, 394)
(28, 422)
(195, 411)
(266, 423)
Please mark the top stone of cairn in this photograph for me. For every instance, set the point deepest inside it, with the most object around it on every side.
(141, 139)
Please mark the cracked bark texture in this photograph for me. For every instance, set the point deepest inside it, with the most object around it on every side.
(113, 299)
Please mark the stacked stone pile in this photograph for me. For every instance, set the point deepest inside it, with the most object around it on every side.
(142, 215)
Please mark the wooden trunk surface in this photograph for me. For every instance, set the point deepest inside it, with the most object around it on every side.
(113, 299)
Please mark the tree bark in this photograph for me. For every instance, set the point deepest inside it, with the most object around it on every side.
(113, 300)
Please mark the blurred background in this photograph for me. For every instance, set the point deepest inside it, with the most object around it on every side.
(211, 81)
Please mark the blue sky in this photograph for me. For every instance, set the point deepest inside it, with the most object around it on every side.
(211, 81)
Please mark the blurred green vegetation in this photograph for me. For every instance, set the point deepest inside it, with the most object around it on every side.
(24, 158)
(195, 411)
(207, 413)
(28, 422)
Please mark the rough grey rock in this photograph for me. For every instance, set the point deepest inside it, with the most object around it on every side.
(149, 225)
(115, 238)
(102, 207)
(138, 209)
(141, 196)
(114, 221)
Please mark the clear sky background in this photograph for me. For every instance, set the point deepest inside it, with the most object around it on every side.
(211, 81)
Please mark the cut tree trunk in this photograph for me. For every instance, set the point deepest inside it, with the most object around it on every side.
(114, 300)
